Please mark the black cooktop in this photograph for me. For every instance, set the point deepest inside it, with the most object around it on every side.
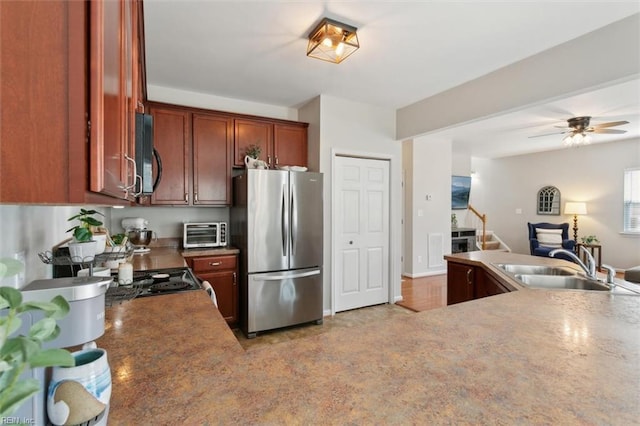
(165, 281)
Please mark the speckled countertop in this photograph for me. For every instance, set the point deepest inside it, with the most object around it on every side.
(525, 357)
(162, 257)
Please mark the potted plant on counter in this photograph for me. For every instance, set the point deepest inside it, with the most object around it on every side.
(83, 247)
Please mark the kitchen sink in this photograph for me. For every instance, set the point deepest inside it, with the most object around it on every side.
(535, 269)
(573, 282)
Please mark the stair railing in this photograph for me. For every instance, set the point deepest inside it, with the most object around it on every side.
(483, 219)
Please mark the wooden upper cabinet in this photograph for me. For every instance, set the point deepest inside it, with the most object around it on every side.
(56, 79)
(289, 145)
(249, 132)
(171, 138)
(112, 26)
(212, 153)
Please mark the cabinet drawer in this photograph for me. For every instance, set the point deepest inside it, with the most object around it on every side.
(214, 263)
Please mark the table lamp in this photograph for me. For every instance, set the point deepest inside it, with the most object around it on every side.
(575, 208)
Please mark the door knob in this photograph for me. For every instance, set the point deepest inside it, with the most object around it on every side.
(350, 242)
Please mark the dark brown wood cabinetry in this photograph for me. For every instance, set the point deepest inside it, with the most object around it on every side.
(289, 145)
(252, 132)
(195, 148)
(467, 282)
(70, 73)
(282, 144)
(222, 273)
(460, 283)
(172, 139)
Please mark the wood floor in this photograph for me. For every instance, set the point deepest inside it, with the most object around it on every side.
(422, 294)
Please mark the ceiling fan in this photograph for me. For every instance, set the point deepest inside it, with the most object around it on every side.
(578, 127)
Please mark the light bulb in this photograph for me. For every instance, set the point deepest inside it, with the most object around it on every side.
(340, 49)
(327, 42)
(586, 139)
(568, 140)
(578, 139)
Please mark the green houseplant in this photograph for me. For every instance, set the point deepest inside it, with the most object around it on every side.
(253, 151)
(83, 248)
(20, 352)
(84, 231)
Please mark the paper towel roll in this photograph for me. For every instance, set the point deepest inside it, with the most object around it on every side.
(210, 291)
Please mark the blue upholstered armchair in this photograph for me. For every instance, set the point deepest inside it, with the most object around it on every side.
(542, 245)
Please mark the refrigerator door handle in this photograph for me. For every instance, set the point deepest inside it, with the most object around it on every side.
(293, 221)
(284, 219)
(287, 276)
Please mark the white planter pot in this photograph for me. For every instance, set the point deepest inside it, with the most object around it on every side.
(83, 252)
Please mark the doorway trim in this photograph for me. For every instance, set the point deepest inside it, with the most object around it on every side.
(392, 267)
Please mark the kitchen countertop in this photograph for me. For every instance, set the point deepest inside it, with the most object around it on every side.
(173, 257)
(525, 357)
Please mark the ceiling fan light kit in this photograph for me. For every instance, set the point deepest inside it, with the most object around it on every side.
(332, 41)
(580, 126)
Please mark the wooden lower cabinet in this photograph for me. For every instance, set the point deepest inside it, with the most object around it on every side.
(468, 282)
(222, 273)
(460, 282)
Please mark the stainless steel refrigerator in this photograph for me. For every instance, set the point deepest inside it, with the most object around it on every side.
(276, 222)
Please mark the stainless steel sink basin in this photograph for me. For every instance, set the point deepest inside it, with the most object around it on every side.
(536, 269)
(573, 282)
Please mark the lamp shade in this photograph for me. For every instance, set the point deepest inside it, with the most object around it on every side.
(575, 208)
(332, 41)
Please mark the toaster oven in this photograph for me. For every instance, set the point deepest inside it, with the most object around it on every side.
(205, 234)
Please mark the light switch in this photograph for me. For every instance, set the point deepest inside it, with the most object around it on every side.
(420, 213)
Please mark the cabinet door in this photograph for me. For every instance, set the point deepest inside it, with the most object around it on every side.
(486, 285)
(289, 145)
(171, 136)
(252, 132)
(460, 282)
(212, 144)
(108, 143)
(226, 287)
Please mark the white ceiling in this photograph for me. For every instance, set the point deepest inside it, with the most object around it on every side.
(410, 50)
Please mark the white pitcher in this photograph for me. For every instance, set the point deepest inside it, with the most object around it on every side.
(81, 393)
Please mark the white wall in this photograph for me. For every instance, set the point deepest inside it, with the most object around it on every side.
(353, 128)
(167, 222)
(591, 173)
(430, 206)
(27, 230)
(218, 103)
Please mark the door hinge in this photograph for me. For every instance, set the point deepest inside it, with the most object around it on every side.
(88, 130)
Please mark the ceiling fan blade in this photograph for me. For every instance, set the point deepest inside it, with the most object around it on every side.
(609, 131)
(549, 134)
(610, 124)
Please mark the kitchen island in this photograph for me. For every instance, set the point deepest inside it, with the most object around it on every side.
(524, 357)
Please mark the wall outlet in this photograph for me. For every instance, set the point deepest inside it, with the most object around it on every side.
(428, 197)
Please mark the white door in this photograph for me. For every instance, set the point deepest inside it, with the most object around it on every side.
(362, 232)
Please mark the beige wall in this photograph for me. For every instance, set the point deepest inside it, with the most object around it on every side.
(591, 173)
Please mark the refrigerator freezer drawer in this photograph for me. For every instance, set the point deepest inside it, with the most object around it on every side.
(281, 299)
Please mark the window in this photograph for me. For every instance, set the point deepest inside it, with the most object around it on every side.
(549, 201)
(632, 200)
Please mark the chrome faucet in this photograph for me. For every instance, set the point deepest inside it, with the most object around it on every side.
(589, 269)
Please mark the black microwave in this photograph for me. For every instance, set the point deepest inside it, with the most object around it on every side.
(145, 156)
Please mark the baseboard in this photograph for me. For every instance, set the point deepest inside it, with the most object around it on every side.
(425, 274)
(397, 299)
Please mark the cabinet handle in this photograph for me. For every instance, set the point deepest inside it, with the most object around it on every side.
(269, 160)
(276, 160)
(215, 263)
(195, 197)
(469, 271)
(234, 278)
(135, 174)
(186, 198)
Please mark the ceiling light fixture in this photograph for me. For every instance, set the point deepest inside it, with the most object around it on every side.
(332, 41)
(577, 139)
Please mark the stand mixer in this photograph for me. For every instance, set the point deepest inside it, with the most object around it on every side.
(138, 234)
